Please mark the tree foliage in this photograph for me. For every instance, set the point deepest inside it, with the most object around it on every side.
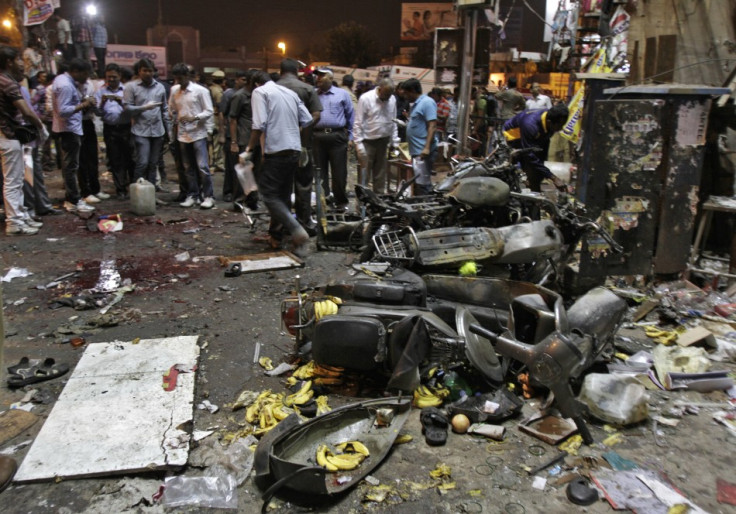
(351, 44)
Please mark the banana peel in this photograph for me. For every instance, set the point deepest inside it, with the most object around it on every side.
(266, 363)
(663, 337)
(425, 396)
(322, 407)
(353, 454)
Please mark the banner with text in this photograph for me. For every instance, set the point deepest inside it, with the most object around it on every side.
(36, 12)
(128, 55)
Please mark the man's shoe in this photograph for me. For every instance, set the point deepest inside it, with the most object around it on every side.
(8, 467)
(189, 202)
(160, 189)
(102, 195)
(20, 230)
(33, 223)
(227, 198)
(92, 199)
(311, 229)
(83, 206)
(50, 212)
(208, 203)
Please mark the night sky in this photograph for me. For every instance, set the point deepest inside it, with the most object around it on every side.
(300, 23)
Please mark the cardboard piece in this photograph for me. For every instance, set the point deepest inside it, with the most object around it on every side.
(696, 334)
(270, 261)
(114, 417)
(13, 422)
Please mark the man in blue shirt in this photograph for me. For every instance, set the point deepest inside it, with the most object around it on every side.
(116, 129)
(278, 114)
(530, 129)
(420, 132)
(145, 102)
(332, 132)
(68, 105)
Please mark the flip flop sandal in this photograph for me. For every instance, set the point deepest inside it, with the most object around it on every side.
(46, 371)
(434, 426)
(23, 363)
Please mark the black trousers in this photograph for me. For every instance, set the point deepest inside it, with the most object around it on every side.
(331, 156)
(88, 175)
(118, 145)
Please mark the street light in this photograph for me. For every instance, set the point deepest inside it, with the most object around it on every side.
(282, 46)
(7, 23)
(91, 9)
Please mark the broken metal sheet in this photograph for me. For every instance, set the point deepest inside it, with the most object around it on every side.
(270, 261)
(114, 416)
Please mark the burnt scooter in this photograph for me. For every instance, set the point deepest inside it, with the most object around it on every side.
(532, 251)
(553, 343)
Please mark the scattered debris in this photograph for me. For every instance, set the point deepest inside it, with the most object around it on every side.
(15, 273)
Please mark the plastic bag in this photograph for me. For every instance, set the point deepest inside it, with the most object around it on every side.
(617, 399)
(218, 492)
(245, 177)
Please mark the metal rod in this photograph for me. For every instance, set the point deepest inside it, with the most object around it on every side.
(466, 81)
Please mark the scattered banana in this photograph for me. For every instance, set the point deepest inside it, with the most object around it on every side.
(301, 397)
(353, 447)
(425, 396)
(322, 407)
(266, 363)
(322, 459)
(304, 372)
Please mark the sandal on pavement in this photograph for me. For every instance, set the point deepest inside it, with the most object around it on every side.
(23, 363)
(46, 371)
(434, 426)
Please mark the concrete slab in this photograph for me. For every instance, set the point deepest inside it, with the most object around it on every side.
(114, 416)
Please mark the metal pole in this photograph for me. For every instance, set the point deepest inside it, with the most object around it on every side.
(466, 80)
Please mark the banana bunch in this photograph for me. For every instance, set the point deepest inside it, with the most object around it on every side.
(304, 372)
(301, 397)
(324, 308)
(354, 453)
(322, 407)
(425, 396)
(266, 363)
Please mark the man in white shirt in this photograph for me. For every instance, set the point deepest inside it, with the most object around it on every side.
(278, 114)
(64, 36)
(373, 130)
(191, 111)
(538, 100)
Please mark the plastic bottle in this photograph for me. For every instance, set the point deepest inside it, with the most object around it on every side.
(143, 198)
(457, 385)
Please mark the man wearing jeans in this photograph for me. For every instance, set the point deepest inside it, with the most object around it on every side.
(420, 133)
(191, 111)
(68, 105)
(13, 107)
(278, 114)
(145, 102)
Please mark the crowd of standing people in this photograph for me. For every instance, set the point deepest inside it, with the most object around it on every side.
(294, 129)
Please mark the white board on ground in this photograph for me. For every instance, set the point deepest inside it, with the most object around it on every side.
(114, 415)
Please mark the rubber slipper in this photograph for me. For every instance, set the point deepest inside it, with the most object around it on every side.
(45, 371)
(434, 426)
(23, 363)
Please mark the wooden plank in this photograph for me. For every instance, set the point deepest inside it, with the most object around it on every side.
(634, 75)
(666, 56)
(114, 416)
(650, 58)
